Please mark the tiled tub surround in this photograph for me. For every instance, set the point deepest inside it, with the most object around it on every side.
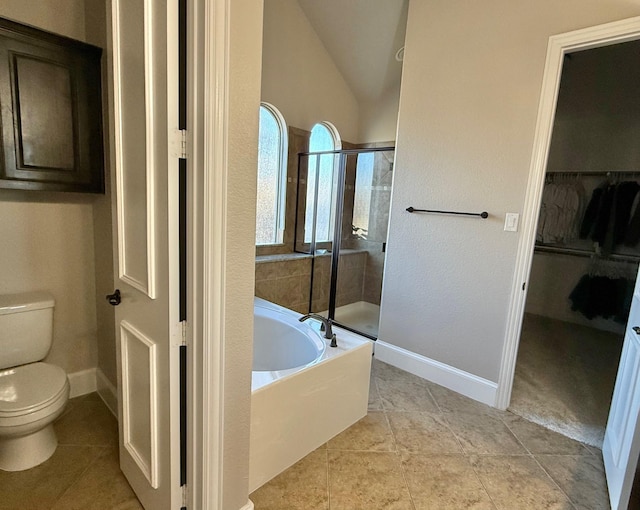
(296, 410)
(422, 446)
(285, 279)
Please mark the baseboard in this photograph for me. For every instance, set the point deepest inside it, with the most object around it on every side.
(90, 380)
(450, 377)
(248, 506)
(82, 382)
(107, 391)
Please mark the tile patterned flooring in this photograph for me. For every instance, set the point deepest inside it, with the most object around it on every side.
(422, 447)
(83, 473)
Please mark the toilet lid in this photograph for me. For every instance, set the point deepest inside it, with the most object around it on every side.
(28, 387)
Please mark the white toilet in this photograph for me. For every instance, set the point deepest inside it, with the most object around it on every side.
(32, 394)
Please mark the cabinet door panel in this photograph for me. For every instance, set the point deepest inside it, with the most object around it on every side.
(44, 120)
(51, 110)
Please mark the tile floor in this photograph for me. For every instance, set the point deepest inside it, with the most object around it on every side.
(420, 447)
(83, 473)
(424, 447)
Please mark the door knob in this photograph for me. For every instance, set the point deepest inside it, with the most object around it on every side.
(115, 298)
(636, 329)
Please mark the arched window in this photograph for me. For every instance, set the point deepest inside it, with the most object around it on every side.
(323, 171)
(272, 176)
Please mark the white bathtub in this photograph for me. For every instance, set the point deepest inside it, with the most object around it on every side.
(303, 391)
(281, 342)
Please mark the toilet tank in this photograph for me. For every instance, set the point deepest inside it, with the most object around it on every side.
(26, 327)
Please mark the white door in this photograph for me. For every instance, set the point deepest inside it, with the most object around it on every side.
(621, 446)
(144, 51)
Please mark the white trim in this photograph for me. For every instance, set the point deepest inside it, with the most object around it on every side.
(248, 506)
(107, 391)
(82, 382)
(450, 377)
(209, 102)
(602, 35)
(147, 288)
(148, 467)
(87, 381)
(333, 130)
(150, 145)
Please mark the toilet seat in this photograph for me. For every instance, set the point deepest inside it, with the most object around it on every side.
(27, 389)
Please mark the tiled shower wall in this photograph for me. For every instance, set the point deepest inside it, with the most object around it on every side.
(350, 279)
(376, 239)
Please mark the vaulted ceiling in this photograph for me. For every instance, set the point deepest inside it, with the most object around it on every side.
(362, 37)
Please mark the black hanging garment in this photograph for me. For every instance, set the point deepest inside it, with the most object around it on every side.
(632, 235)
(592, 212)
(626, 195)
(601, 226)
(600, 296)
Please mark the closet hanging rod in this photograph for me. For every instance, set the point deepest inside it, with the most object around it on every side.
(575, 252)
(483, 214)
(594, 174)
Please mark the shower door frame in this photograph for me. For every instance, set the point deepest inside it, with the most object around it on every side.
(336, 242)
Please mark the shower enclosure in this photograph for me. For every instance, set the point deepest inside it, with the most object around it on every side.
(342, 217)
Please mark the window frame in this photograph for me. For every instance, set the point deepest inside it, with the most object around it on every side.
(337, 145)
(281, 185)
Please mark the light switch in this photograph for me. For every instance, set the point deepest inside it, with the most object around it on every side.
(511, 222)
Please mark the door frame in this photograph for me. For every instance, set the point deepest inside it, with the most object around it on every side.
(207, 76)
(588, 38)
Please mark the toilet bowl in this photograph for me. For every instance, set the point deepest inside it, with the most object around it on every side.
(32, 393)
(31, 398)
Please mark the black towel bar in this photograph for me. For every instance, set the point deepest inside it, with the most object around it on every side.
(483, 214)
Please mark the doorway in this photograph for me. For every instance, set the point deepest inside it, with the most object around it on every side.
(621, 445)
(586, 252)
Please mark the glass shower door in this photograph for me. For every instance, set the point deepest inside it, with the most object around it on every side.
(363, 238)
(348, 261)
(318, 175)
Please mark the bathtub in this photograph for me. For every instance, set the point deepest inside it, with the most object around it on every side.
(281, 343)
(303, 392)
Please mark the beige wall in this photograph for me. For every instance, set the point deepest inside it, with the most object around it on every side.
(48, 238)
(595, 131)
(379, 120)
(96, 30)
(468, 105)
(49, 246)
(244, 102)
(65, 17)
(298, 75)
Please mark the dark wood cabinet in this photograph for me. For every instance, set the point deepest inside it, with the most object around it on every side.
(50, 111)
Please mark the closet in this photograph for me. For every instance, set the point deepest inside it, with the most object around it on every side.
(587, 247)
